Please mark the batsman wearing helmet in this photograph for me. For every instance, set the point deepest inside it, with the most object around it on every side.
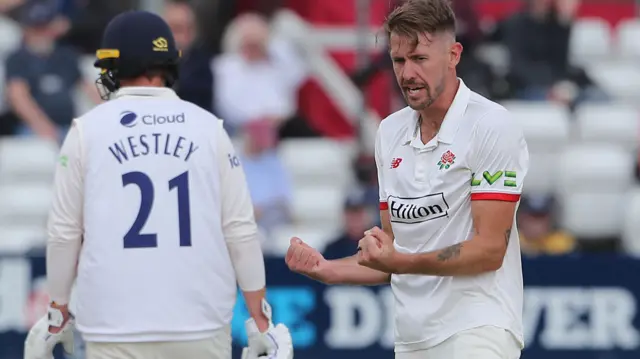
(152, 219)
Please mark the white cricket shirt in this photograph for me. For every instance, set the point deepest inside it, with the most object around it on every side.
(479, 154)
(153, 185)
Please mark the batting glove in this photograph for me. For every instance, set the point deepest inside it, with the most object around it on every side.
(275, 343)
(40, 342)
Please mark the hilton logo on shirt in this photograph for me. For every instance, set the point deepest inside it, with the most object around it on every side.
(419, 209)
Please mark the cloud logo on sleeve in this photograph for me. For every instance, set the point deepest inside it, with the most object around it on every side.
(128, 119)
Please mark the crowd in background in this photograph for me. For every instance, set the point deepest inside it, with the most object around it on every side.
(234, 68)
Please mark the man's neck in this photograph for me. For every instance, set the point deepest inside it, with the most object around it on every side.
(143, 81)
(39, 46)
(431, 118)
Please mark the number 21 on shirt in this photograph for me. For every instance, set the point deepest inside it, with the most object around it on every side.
(135, 239)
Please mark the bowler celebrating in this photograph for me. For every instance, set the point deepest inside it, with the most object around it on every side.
(451, 168)
(152, 219)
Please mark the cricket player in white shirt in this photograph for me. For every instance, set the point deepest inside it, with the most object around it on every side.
(451, 168)
(152, 219)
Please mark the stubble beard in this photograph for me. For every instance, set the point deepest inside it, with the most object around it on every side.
(431, 98)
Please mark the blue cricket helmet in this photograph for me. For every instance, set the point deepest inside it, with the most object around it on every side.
(133, 43)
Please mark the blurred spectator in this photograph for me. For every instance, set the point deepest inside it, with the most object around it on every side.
(181, 19)
(357, 220)
(8, 122)
(41, 75)
(538, 235)
(538, 41)
(88, 20)
(7, 6)
(475, 73)
(267, 179)
(257, 77)
(196, 80)
(212, 18)
(366, 173)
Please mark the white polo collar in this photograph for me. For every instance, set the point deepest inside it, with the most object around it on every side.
(450, 124)
(145, 92)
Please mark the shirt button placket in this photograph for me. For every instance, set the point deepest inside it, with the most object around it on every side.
(421, 165)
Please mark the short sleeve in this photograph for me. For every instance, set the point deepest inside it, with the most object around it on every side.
(499, 158)
(380, 170)
(73, 59)
(16, 68)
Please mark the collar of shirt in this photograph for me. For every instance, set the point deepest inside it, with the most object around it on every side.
(449, 125)
(145, 92)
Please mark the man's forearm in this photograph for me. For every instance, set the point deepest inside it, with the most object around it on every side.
(471, 257)
(248, 264)
(348, 271)
(253, 302)
(62, 261)
(29, 111)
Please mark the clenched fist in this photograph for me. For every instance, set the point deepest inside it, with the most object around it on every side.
(376, 251)
(303, 259)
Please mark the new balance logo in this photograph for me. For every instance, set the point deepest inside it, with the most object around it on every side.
(395, 162)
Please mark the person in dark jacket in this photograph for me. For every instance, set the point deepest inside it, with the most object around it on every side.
(538, 42)
(196, 78)
(357, 219)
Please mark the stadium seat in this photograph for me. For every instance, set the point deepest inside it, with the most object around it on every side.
(609, 123)
(318, 205)
(495, 55)
(592, 214)
(597, 168)
(24, 205)
(546, 126)
(11, 36)
(631, 225)
(27, 159)
(542, 175)
(19, 240)
(590, 40)
(620, 79)
(314, 236)
(320, 161)
(628, 33)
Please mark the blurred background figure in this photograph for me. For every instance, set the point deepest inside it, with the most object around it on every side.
(212, 18)
(42, 75)
(357, 220)
(181, 19)
(539, 234)
(303, 85)
(88, 19)
(6, 6)
(538, 42)
(257, 77)
(196, 79)
(366, 175)
(268, 181)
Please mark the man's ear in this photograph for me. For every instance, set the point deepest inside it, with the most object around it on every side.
(455, 53)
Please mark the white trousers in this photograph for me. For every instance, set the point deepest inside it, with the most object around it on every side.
(216, 347)
(478, 343)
